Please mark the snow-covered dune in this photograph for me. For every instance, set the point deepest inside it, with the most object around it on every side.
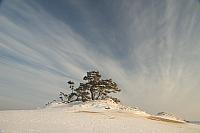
(89, 117)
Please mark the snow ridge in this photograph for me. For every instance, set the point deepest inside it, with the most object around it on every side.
(107, 105)
(165, 115)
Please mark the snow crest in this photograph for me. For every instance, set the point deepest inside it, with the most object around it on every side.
(168, 116)
(107, 105)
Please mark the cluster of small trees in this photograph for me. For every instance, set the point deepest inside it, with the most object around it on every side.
(94, 88)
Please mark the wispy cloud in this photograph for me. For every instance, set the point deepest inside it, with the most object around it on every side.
(151, 48)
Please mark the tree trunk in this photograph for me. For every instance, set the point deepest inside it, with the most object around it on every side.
(92, 94)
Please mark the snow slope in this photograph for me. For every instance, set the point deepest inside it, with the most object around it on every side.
(90, 117)
(165, 115)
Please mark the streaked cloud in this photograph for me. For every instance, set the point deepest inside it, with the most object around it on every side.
(151, 48)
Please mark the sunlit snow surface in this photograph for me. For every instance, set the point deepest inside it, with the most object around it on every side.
(90, 117)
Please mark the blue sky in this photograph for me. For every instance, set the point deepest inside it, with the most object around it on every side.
(151, 48)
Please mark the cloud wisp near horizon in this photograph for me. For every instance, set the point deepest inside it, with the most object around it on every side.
(149, 47)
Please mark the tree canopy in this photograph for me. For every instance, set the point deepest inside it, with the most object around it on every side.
(94, 88)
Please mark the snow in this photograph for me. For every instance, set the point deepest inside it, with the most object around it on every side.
(99, 106)
(103, 116)
(165, 115)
